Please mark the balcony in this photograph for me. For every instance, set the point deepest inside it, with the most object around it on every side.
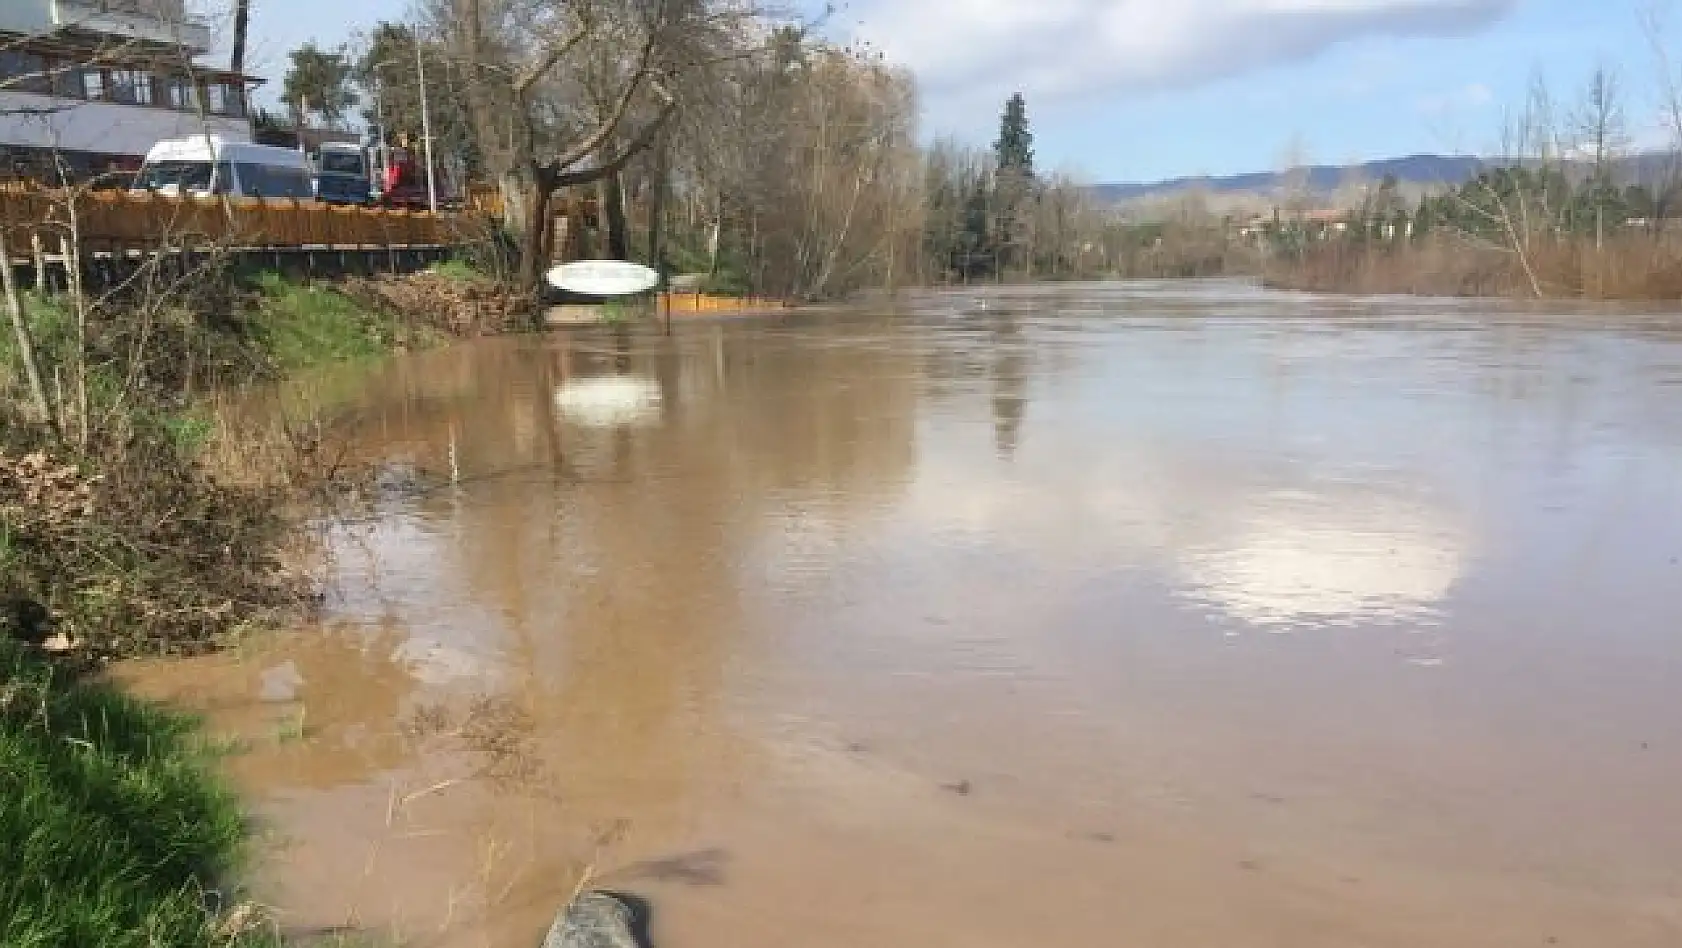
(152, 21)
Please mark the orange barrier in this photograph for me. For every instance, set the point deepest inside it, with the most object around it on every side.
(677, 303)
(118, 221)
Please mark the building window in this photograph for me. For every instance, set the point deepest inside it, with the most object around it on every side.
(67, 81)
(23, 72)
(93, 84)
(131, 86)
(224, 99)
(216, 98)
(183, 94)
(234, 95)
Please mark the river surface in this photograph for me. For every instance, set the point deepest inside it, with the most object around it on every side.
(1149, 615)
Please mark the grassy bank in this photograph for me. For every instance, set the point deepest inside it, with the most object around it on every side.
(112, 532)
(297, 325)
(116, 540)
(115, 829)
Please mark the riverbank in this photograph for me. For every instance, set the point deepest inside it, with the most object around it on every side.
(120, 536)
(117, 830)
(1624, 267)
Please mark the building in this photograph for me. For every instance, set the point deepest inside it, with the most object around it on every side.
(90, 85)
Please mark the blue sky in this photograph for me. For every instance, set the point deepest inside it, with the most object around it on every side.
(1146, 89)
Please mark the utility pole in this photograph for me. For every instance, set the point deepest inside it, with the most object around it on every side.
(426, 128)
(380, 149)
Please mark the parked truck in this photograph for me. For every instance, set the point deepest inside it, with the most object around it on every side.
(344, 174)
(403, 182)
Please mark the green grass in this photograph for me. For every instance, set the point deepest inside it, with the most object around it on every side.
(188, 431)
(50, 324)
(458, 270)
(300, 325)
(615, 312)
(731, 278)
(114, 825)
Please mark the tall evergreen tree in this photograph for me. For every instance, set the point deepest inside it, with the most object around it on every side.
(1015, 147)
(1014, 187)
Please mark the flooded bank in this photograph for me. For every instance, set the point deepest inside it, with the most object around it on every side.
(1179, 614)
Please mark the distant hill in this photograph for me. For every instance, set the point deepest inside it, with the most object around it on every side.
(1413, 171)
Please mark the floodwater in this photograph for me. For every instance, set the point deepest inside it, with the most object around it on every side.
(1138, 615)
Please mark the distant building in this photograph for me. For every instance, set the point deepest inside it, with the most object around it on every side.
(92, 84)
(1329, 219)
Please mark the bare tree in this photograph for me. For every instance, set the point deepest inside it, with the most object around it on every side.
(1296, 186)
(40, 411)
(1600, 122)
(521, 58)
(1603, 136)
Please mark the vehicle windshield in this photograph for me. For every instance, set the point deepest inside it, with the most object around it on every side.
(274, 181)
(342, 186)
(185, 176)
(341, 163)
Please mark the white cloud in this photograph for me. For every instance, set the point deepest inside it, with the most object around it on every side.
(1052, 49)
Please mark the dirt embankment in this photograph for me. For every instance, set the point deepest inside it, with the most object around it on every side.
(458, 306)
(116, 534)
(120, 536)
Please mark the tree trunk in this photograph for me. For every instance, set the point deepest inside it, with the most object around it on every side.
(613, 216)
(42, 411)
(715, 237)
(533, 232)
(657, 209)
(514, 191)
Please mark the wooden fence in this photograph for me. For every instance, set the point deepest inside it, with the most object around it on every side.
(37, 225)
(120, 222)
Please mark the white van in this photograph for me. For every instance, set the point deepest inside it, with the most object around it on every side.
(201, 165)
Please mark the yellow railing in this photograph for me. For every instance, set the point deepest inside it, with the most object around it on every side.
(679, 303)
(121, 221)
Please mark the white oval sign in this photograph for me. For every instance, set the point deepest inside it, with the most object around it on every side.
(603, 277)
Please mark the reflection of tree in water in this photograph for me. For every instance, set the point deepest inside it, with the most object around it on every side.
(1009, 374)
(984, 347)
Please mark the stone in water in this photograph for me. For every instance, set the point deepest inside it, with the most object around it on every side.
(594, 920)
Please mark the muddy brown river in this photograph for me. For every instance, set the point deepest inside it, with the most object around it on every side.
(1172, 616)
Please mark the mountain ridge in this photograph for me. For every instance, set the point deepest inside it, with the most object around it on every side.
(1418, 170)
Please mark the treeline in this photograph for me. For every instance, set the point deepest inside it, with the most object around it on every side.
(990, 215)
(703, 136)
(1566, 211)
(710, 138)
